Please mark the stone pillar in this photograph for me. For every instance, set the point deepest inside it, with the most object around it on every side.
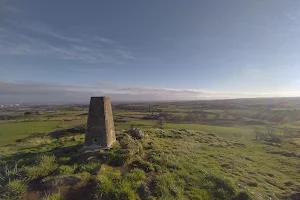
(100, 131)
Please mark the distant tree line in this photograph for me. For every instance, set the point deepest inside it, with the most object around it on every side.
(10, 117)
(137, 108)
(268, 134)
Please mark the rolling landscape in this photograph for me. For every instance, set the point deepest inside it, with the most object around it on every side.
(150, 100)
(221, 149)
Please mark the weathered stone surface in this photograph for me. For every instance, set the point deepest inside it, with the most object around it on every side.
(136, 133)
(295, 196)
(144, 192)
(59, 181)
(100, 131)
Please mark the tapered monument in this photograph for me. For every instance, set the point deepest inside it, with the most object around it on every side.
(100, 131)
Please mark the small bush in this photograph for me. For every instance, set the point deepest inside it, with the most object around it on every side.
(16, 187)
(84, 176)
(46, 164)
(126, 142)
(66, 170)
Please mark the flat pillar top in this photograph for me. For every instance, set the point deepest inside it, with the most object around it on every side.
(100, 98)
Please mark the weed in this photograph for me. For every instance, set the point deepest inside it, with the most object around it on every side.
(13, 172)
(53, 196)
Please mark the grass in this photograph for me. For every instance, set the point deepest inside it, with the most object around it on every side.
(113, 185)
(222, 131)
(169, 164)
(45, 165)
(9, 132)
(168, 186)
(17, 187)
(181, 161)
(66, 169)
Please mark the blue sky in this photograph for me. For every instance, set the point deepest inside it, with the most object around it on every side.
(148, 50)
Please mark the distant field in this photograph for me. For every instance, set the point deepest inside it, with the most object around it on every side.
(223, 131)
(11, 131)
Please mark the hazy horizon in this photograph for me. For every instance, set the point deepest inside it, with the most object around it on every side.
(148, 51)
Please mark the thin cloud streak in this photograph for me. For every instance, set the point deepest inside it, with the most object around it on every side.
(41, 92)
(96, 50)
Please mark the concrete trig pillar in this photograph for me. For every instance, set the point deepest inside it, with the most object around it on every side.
(100, 131)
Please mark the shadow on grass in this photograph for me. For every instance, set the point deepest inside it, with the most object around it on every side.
(82, 192)
(74, 130)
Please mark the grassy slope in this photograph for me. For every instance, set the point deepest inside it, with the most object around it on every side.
(198, 166)
(179, 165)
(11, 131)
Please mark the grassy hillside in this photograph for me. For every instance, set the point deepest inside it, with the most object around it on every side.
(166, 164)
(191, 157)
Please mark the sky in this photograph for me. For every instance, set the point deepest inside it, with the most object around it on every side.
(67, 51)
